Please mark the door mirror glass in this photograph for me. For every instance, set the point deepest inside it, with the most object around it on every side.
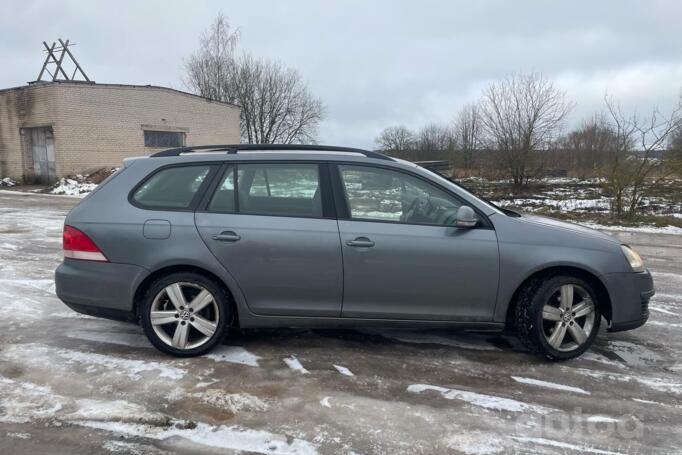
(466, 217)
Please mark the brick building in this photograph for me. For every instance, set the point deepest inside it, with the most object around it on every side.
(53, 129)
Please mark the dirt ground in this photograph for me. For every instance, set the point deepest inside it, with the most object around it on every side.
(75, 384)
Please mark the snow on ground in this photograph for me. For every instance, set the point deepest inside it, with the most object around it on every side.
(645, 229)
(72, 384)
(72, 187)
(233, 354)
(221, 437)
(478, 399)
(549, 385)
(293, 363)
(7, 182)
(343, 370)
(232, 402)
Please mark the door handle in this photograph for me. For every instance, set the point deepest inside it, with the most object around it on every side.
(360, 242)
(227, 236)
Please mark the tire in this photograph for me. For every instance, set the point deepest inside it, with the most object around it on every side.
(547, 326)
(191, 314)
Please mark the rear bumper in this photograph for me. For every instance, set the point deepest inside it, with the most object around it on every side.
(630, 294)
(99, 289)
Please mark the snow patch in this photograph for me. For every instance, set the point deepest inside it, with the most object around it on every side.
(550, 385)
(661, 310)
(23, 402)
(232, 402)
(73, 187)
(293, 363)
(132, 448)
(44, 356)
(633, 354)
(481, 400)
(565, 445)
(325, 402)
(234, 354)
(19, 435)
(221, 437)
(116, 411)
(343, 370)
(659, 384)
(645, 228)
(8, 182)
(602, 419)
(474, 444)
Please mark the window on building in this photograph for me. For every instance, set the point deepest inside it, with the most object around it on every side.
(164, 139)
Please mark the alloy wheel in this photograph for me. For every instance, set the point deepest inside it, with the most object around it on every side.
(568, 318)
(184, 315)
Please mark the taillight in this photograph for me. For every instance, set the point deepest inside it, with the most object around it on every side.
(77, 245)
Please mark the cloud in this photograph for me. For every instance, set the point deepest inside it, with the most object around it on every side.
(376, 63)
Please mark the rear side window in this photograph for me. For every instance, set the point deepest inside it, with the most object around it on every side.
(286, 189)
(279, 189)
(223, 200)
(171, 188)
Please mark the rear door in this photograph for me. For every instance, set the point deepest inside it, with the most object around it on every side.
(273, 226)
(403, 256)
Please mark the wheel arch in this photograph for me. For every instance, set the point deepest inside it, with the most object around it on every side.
(603, 297)
(147, 282)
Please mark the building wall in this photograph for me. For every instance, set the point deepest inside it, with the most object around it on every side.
(97, 125)
(22, 108)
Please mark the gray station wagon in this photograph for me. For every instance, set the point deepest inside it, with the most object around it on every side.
(191, 242)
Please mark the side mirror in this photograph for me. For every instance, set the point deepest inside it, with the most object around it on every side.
(466, 217)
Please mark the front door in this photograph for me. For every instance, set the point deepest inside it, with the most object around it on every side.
(404, 258)
(271, 232)
(42, 152)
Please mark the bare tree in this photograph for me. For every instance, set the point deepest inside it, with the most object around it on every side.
(396, 140)
(467, 131)
(586, 148)
(435, 141)
(208, 70)
(634, 166)
(276, 104)
(521, 115)
(674, 153)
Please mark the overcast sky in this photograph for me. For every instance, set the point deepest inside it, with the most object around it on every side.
(374, 63)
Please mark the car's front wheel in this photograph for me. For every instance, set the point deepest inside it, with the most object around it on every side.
(185, 314)
(558, 316)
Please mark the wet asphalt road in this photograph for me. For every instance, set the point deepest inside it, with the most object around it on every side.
(74, 384)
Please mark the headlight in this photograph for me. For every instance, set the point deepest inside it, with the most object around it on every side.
(633, 258)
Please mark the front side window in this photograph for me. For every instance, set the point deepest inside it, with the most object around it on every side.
(279, 189)
(377, 194)
(171, 188)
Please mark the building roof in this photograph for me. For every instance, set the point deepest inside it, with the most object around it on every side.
(93, 84)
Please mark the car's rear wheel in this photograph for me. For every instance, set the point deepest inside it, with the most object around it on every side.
(185, 314)
(558, 316)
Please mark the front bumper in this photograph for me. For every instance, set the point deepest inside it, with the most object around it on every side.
(630, 293)
(101, 289)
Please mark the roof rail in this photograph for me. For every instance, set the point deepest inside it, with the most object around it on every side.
(234, 148)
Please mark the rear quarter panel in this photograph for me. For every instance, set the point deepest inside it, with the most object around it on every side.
(116, 226)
